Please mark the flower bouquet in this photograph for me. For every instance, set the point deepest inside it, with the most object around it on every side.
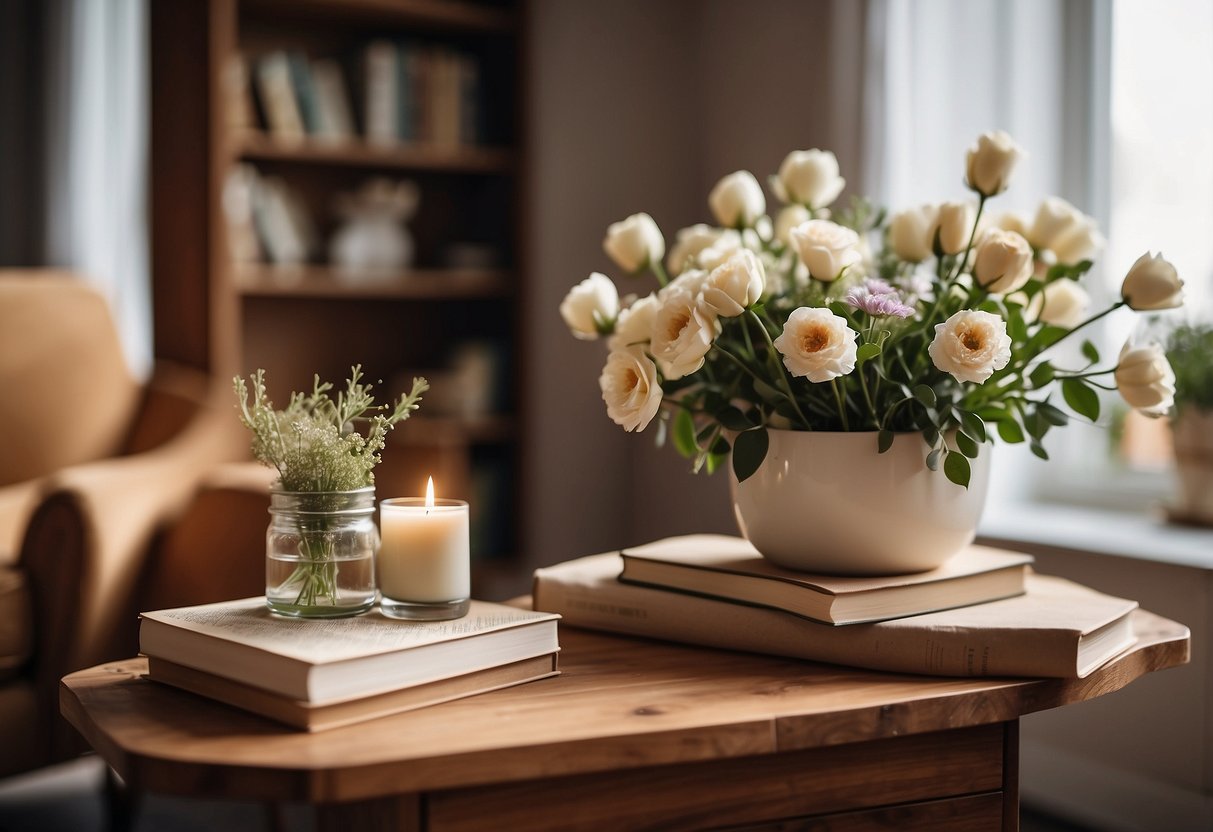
(938, 320)
(322, 538)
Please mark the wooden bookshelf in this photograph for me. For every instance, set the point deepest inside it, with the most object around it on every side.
(309, 317)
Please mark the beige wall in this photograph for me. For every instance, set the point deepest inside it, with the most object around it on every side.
(642, 106)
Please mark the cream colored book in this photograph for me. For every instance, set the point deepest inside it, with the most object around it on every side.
(323, 661)
(323, 717)
(1055, 629)
(731, 568)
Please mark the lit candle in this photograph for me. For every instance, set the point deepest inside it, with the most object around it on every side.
(424, 565)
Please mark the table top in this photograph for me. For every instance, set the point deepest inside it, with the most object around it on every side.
(619, 703)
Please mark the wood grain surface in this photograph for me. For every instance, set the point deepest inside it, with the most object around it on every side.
(620, 703)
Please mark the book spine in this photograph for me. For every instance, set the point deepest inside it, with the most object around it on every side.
(615, 607)
(380, 89)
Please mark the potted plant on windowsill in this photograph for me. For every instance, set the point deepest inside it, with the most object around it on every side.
(1190, 351)
(841, 359)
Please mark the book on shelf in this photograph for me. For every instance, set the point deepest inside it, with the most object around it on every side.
(1055, 629)
(276, 90)
(731, 568)
(322, 662)
(334, 120)
(310, 717)
(380, 93)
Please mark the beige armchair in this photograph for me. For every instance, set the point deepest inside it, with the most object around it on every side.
(96, 473)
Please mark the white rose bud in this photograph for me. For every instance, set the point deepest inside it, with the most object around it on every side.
(635, 324)
(790, 217)
(954, 225)
(1055, 219)
(1080, 243)
(826, 248)
(910, 233)
(634, 243)
(590, 307)
(737, 200)
(971, 345)
(1061, 303)
(1145, 379)
(683, 332)
(809, 178)
(817, 344)
(1013, 221)
(1003, 262)
(1152, 284)
(689, 242)
(734, 285)
(719, 251)
(630, 388)
(989, 163)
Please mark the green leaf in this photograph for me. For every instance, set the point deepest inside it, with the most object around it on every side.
(1073, 272)
(733, 419)
(1010, 432)
(973, 425)
(1017, 327)
(1036, 425)
(1090, 352)
(1042, 375)
(769, 394)
(956, 468)
(749, 450)
(884, 441)
(967, 446)
(866, 353)
(994, 413)
(931, 436)
(933, 459)
(925, 395)
(1082, 399)
(684, 434)
(1053, 415)
(1038, 449)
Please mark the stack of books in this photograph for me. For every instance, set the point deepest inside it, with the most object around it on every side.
(983, 613)
(319, 674)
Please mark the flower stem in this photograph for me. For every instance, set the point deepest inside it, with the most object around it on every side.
(659, 272)
(842, 411)
(779, 371)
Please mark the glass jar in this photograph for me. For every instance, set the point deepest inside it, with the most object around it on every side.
(320, 553)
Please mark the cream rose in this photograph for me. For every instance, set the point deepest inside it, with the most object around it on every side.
(990, 162)
(634, 243)
(724, 248)
(1061, 303)
(954, 224)
(635, 324)
(1080, 243)
(790, 217)
(1003, 262)
(1055, 220)
(690, 241)
(1151, 284)
(630, 388)
(683, 332)
(809, 178)
(910, 233)
(590, 307)
(1013, 221)
(817, 344)
(734, 285)
(826, 248)
(971, 345)
(1145, 379)
(737, 200)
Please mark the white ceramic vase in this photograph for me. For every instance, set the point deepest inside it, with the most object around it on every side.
(828, 502)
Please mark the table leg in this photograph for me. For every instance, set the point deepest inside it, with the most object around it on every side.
(1010, 776)
(385, 814)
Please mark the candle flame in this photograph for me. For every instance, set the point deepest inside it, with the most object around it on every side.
(429, 493)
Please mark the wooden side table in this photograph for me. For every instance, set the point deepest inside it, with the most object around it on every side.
(634, 735)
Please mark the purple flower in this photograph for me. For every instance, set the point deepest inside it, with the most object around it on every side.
(878, 304)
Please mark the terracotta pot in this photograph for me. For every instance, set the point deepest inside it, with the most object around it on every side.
(828, 502)
(1193, 436)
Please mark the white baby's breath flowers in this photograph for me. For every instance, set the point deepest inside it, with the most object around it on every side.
(971, 345)
(630, 388)
(734, 285)
(634, 326)
(683, 331)
(1145, 379)
(910, 233)
(817, 344)
(990, 162)
(809, 178)
(1152, 284)
(590, 307)
(634, 243)
(1003, 262)
(737, 200)
(826, 248)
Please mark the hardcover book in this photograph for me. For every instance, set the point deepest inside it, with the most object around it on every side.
(312, 717)
(1055, 629)
(732, 569)
(323, 662)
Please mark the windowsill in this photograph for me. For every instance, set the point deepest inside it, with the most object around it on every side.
(1117, 533)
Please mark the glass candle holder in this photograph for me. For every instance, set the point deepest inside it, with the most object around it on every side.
(424, 567)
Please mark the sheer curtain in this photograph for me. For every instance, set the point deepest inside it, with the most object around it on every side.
(96, 211)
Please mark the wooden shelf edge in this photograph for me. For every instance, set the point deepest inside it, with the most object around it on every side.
(258, 146)
(270, 281)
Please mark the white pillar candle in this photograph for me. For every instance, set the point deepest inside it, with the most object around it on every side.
(424, 549)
